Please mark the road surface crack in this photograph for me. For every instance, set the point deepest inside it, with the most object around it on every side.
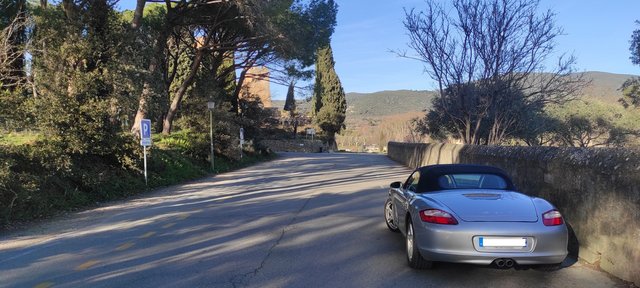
(243, 280)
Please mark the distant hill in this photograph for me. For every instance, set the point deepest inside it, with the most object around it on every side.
(378, 104)
(376, 118)
(388, 102)
(604, 87)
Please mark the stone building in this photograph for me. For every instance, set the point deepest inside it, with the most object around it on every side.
(256, 84)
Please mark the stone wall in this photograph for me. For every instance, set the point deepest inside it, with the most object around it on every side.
(596, 189)
(298, 145)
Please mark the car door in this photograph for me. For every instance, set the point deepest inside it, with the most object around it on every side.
(403, 198)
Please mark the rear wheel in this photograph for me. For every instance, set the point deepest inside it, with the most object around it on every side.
(413, 255)
(388, 216)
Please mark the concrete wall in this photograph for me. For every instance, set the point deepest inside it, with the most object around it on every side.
(597, 190)
(299, 145)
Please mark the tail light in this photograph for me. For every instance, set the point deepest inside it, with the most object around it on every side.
(552, 218)
(437, 216)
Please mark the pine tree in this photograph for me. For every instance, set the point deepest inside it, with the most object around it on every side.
(329, 102)
(82, 78)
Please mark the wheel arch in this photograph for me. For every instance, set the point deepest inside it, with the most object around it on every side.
(407, 218)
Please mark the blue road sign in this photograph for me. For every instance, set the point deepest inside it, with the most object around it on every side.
(145, 132)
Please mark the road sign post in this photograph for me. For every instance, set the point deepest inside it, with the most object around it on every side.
(144, 149)
(210, 106)
(241, 140)
(311, 131)
(145, 140)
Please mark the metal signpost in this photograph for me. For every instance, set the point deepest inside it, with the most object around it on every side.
(311, 131)
(241, 141)
(211, 105)
(145, 140)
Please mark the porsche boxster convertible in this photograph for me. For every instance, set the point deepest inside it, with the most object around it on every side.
(472, 214)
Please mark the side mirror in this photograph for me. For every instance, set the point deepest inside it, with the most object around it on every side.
(396, 184)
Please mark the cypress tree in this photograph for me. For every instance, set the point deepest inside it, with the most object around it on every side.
(329, 102)
(290, 102)
(290, 105)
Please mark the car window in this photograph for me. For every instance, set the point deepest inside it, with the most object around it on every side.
(472, 181)
(446, 182)
(408, 182)
(412, 182)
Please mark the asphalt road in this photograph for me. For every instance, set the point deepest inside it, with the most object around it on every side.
(304, 220)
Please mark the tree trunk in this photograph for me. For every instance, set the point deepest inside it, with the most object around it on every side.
(143, 101)
(137, 14)
(175, 103)
(331, 141)
(236, 93)
(295, 129)
(147, 89)
(467, 132)
(333, 145)
(70, 9)
(159, 120)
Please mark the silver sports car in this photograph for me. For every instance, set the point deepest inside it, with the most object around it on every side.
(472, 214)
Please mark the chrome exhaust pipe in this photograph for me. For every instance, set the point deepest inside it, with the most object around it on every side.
(509, 263)
(500, 263)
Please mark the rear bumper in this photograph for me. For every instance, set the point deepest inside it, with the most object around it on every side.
(455, 243)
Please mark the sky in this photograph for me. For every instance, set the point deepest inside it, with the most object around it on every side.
(597, 32)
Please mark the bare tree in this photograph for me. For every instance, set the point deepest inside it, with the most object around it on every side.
(411, 132)
(487, 58)
(11, 72)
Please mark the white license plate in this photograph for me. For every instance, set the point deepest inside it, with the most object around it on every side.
(502, 242)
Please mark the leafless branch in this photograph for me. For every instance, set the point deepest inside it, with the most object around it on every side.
(12, 74)
(487, 58)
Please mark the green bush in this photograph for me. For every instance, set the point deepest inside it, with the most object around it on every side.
(166, 167)
(39, 180)
(191, 144)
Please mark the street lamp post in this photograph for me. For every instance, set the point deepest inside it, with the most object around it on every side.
(210, 106)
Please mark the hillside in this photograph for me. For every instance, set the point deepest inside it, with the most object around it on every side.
(378, 104)
(387, 102)
(374, 118)
(604, 87)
